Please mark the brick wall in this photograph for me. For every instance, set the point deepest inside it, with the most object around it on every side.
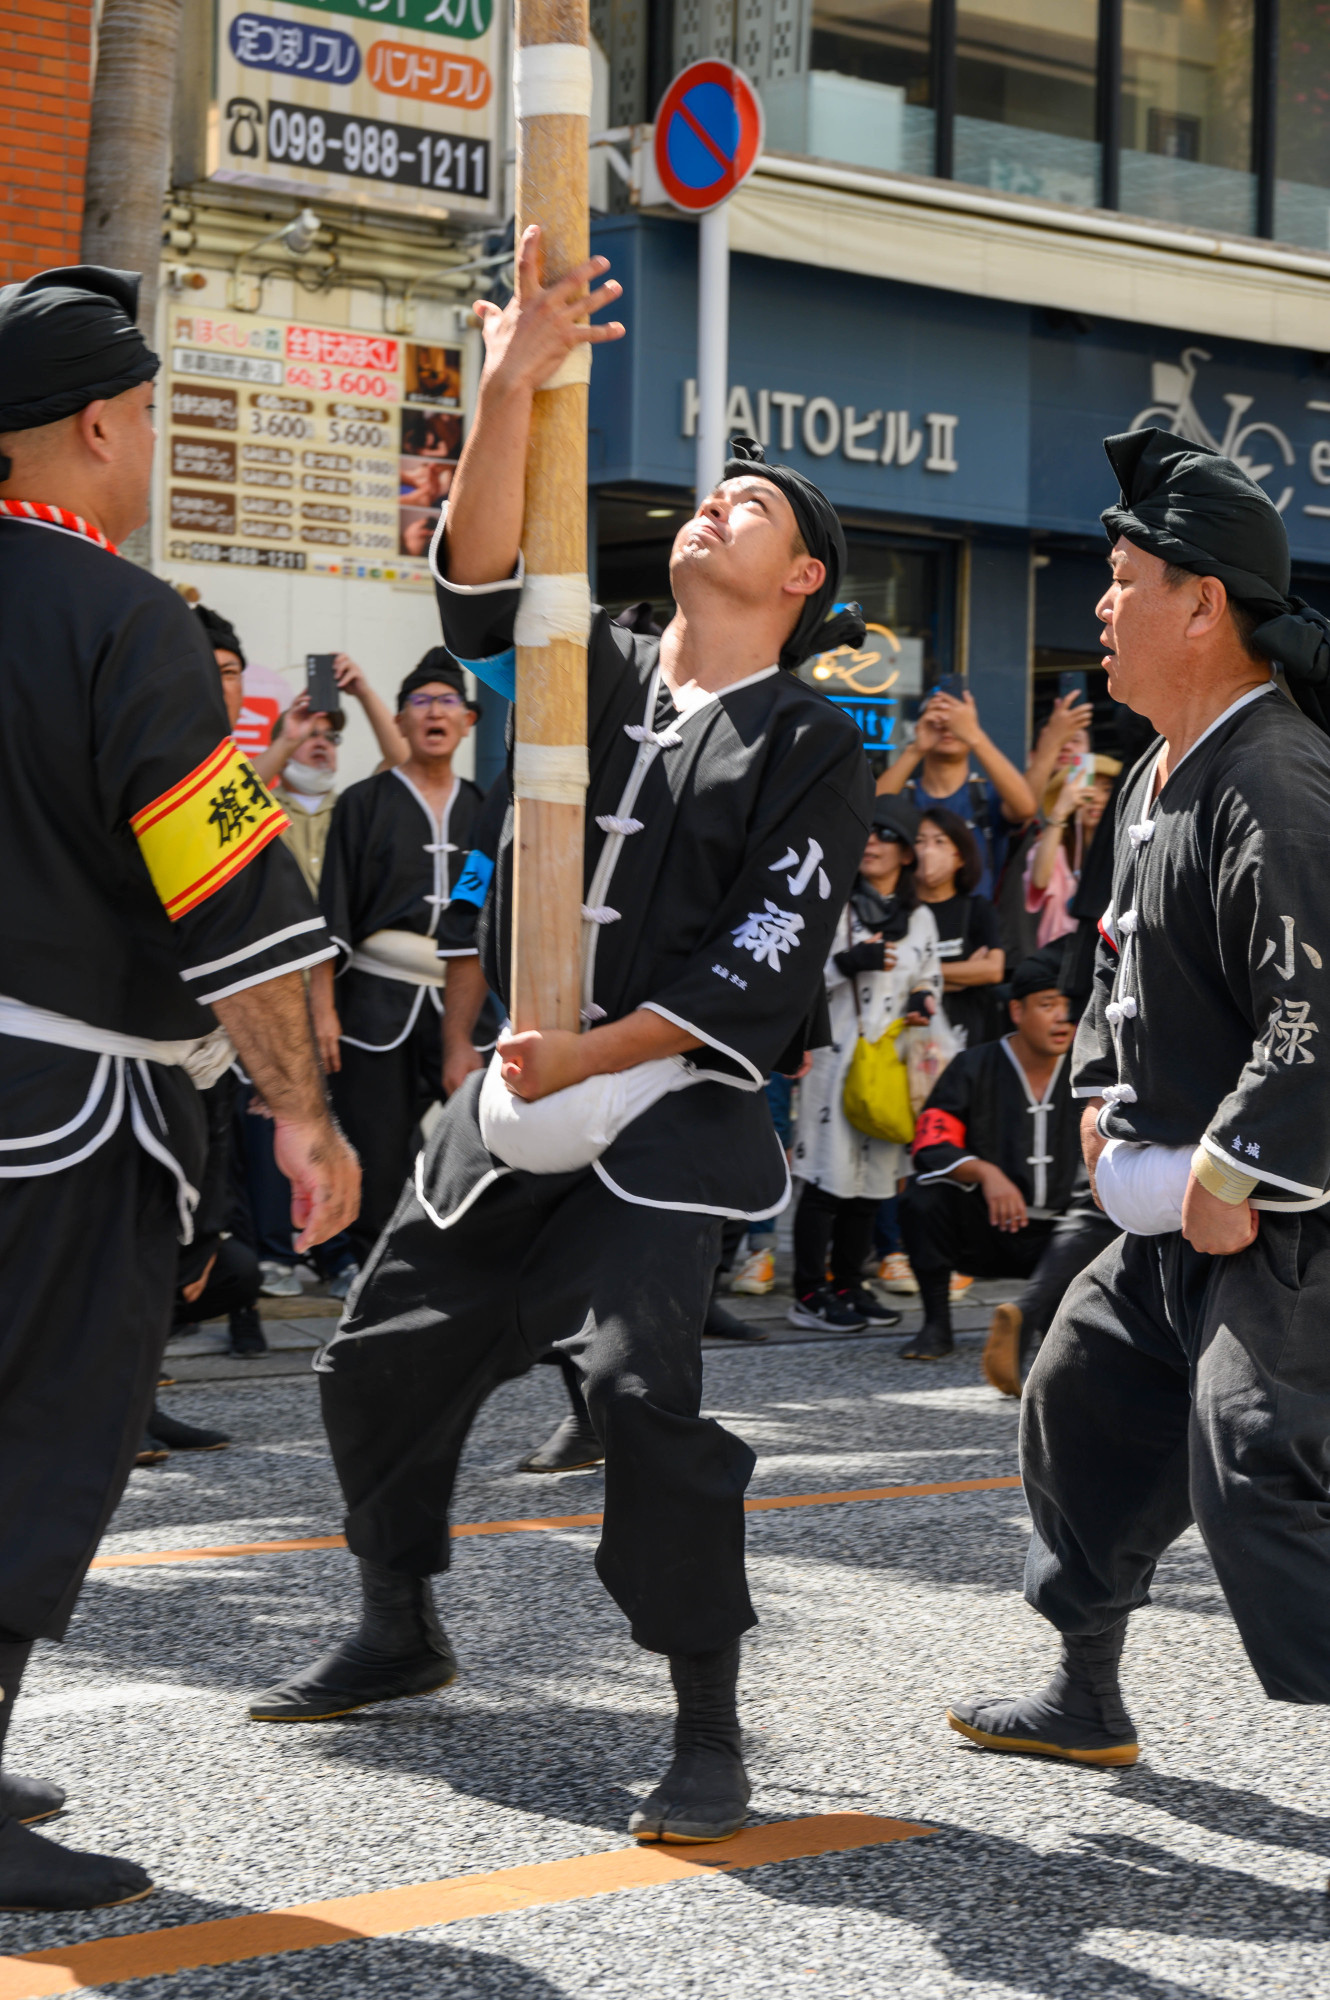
(44, 101)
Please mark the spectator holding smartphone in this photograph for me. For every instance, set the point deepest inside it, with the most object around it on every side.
(936, 770)
(300, 762)
(1074, 805)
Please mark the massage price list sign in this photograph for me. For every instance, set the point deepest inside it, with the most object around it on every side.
(307, 448)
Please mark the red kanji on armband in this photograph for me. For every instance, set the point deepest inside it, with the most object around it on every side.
(938, 1128)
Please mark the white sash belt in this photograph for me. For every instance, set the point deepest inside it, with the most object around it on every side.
(203, 1059)
(403, 955)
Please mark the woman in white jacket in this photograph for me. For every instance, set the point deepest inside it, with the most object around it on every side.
(884, 965)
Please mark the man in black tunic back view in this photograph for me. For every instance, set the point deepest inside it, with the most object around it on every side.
(726, 814)
(144, 898)
(1187, 1376)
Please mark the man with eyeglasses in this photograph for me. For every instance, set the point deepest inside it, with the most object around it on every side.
(396, 846)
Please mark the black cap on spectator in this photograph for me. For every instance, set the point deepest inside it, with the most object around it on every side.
(222, 634)
(895, 817)
(437, 668)
(1039, 973)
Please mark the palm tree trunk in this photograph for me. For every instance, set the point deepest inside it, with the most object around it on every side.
(129, 153)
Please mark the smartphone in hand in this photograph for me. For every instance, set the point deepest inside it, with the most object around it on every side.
(325, 697)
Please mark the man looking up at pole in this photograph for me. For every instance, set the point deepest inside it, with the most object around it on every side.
(1186, 1376)
(145, 898)
(572, 1199)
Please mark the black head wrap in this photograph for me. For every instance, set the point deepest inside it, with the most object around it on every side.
(1198, 510)
(1039, 973)
(67, 338)
(822, 624)
(222, 634)
(437, 667)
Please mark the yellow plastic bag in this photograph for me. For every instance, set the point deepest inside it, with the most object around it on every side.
(876, 1097)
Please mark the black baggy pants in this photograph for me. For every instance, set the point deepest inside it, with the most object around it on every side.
(945, 1227)
(443, 1315)
(1174, 1387)
(87, 1273)
(380, 1099)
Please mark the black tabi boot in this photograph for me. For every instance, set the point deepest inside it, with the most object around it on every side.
(572, 1446)
(177, 1436)
(35, 1874)
(1079, 1716)
(933, 1342)
(704, 1795)
(398, 1649)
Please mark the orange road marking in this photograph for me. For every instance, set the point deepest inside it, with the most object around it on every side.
(386, 1912)
(546, 1523)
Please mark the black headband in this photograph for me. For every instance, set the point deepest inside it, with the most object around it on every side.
(68, 338)
(822, 626)
(437, 667)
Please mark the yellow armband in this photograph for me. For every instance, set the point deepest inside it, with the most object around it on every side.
(203, 831)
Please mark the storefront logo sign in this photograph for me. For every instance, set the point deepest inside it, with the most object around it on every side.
(1260, 448)
(399, 69)
(324, 55)
(878, 437)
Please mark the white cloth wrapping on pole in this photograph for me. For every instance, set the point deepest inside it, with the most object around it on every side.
(556, 772)
(553, 607)
(552, 80)
(1141, 1187)
(404, 955)
(571, 1128)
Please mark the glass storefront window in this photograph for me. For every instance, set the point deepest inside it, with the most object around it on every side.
(1025, 97)
(1302, 155)
(905, 591)
(865, 99)
(1187, 111)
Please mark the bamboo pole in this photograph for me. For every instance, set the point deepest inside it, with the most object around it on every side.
(553, 71)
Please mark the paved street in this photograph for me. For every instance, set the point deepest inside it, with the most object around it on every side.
(1200, 1872)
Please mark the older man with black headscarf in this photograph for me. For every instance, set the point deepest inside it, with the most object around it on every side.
(1187, 1376)
(726, 817)
(144, 898)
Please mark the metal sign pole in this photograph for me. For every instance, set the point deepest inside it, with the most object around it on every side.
(713, 344)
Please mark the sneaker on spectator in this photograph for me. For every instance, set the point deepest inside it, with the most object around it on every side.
(960, 1285)
(894, 1274)
(306, 1274)
(278, 1281)
(826, 1308)
(341, 1281)
(757, 1273)
(863, 1300)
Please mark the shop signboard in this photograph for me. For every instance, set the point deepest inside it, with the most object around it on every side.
(299, 447)
(870, 681)
(381, 103)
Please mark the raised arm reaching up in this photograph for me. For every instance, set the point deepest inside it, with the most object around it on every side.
(524, 344)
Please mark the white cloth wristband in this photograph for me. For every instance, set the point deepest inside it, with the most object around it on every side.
(553, 607)
(552, 80)
(574, 368)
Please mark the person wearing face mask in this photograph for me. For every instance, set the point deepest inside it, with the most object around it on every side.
(883, 965)
(947, 866)
(396, 847)
(300, 763)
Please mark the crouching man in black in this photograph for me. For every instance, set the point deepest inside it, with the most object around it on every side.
(1001, 1191)
(575, 1202)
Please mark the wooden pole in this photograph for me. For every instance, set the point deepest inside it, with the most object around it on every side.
(553, 92)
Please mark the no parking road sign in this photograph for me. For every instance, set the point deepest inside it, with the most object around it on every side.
(708, 135)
